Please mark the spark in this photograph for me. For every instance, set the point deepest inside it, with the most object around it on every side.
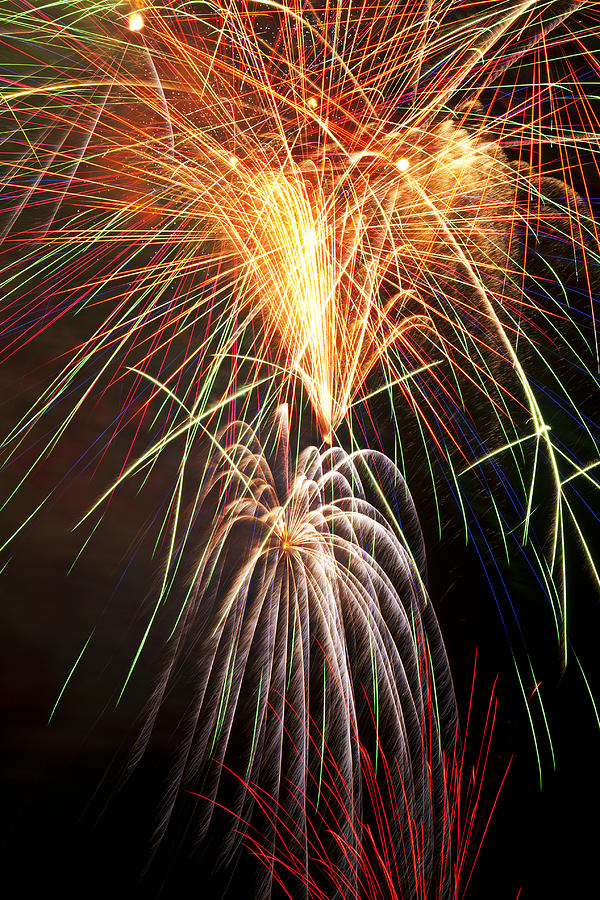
(135, 21)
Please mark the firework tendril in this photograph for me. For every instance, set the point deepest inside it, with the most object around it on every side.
(310, 638)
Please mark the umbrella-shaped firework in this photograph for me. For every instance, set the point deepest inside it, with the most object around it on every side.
(311, 647)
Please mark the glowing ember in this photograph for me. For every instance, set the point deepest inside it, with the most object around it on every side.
(136, 21)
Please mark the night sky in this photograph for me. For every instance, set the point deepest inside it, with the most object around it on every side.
(75, 824)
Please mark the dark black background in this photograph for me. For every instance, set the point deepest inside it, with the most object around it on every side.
(72, 824)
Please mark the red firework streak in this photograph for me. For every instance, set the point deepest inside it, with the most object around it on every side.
(365, 866)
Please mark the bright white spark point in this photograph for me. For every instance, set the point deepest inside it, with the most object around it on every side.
(402, 165)
(136, 21)
(310, 237)
(312, 101)
(233, 161)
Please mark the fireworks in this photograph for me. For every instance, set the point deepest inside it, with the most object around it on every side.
(350, 209)
(315, 650)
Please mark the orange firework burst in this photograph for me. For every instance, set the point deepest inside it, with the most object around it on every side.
(340, 197)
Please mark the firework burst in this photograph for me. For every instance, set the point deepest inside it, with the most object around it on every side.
(333, 197)
(336, 206)
(315, 654)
